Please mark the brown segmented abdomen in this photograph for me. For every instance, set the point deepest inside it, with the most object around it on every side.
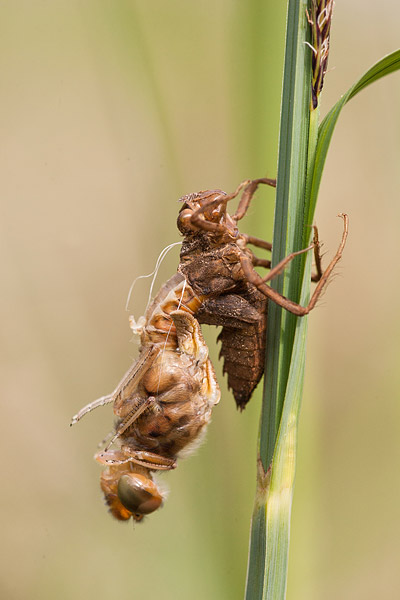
(244, 320)
(243, 351)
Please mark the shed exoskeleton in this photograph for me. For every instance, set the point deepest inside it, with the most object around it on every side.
(219, 266)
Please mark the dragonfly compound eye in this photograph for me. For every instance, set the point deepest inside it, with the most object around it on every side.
(139, 494)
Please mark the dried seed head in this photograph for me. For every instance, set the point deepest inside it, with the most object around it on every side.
(319, 18)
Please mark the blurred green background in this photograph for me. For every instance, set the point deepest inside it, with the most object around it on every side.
(110, 112)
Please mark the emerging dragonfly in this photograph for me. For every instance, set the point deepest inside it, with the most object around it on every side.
(164, 402)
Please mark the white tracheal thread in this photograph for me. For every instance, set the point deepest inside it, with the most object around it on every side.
(160, 258)
(168, 332)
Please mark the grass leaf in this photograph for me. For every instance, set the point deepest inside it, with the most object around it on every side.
(269, 534)
(388, 64)
(302, 153)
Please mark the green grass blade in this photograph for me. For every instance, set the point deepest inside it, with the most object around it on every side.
(289, 216)
(280, 491)
(270, 530)
(302, 153)
(388, 64)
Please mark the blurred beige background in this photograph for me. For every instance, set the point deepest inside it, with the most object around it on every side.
(110, 112)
